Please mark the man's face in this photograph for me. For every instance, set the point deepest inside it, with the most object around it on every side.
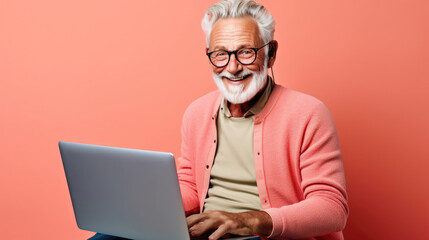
(238, 83)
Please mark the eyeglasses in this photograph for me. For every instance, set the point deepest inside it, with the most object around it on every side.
(245, 56)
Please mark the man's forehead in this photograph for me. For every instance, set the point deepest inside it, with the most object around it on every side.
(240, 32)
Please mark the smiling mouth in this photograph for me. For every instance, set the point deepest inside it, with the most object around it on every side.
(239, 79)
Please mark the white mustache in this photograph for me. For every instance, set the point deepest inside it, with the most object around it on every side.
(238, 76)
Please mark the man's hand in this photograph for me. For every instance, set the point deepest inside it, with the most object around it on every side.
(222, 223)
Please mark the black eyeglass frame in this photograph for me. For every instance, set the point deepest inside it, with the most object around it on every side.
(235, 54)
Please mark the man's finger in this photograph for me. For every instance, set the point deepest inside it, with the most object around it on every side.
(204, 226)
(194, 219)
(221, 231)
(197, 229)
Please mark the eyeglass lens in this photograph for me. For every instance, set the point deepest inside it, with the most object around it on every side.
(244, 56)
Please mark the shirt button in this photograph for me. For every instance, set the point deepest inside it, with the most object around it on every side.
(214, 141)
(207, 166)
(259, 153)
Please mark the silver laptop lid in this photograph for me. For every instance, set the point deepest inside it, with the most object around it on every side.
(124, 192)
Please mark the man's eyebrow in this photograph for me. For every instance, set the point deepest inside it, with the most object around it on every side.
(221, 47)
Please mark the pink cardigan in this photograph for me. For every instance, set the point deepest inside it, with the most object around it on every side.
(298, 165)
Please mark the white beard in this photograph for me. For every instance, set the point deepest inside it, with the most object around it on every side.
(234, 93)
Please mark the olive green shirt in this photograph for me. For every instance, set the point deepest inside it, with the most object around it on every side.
(232, 179)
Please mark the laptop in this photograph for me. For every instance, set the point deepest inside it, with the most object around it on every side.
(123, 192)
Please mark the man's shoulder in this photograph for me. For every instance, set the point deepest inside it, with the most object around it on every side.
(298, 107)
(205, 104)
(296, 99)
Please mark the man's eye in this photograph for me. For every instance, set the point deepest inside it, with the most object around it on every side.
(246, 52)
(220, 54)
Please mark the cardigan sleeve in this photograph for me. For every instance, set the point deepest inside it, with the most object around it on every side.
(186, 171)
(324, 208)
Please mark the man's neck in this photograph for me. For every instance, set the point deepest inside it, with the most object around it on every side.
(238, 110)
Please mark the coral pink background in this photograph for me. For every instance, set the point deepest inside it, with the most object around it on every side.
(121, 73)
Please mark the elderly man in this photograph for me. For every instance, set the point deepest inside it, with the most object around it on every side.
(257, 158)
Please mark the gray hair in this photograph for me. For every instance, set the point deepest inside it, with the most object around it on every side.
(236, 9)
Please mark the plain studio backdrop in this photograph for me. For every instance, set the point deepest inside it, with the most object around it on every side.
(121, 73)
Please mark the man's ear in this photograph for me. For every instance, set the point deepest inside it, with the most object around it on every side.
(272, 53)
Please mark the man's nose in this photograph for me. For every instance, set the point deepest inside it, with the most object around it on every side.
(233, 66)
